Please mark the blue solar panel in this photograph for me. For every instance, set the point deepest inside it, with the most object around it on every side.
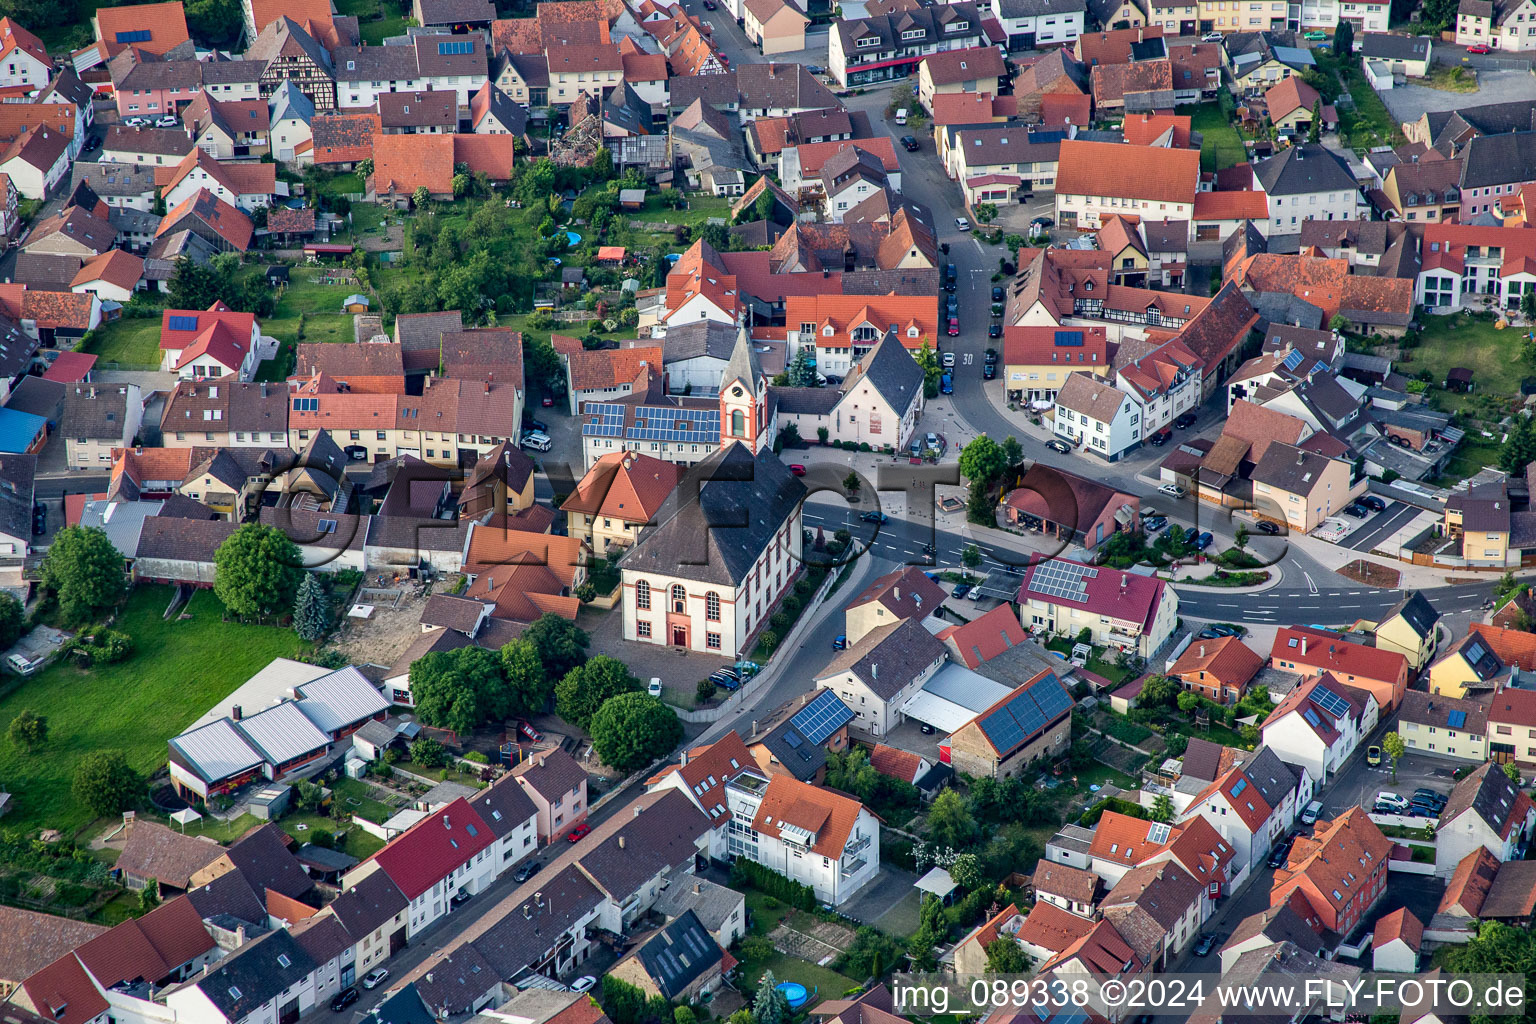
(1311, 716)
(1293, 360)
(138, 35)
(1456, 719)
(1051, 696)
(1329, 701)
(822, 717)
(1072, 339)
(446, 49)
(183, 323)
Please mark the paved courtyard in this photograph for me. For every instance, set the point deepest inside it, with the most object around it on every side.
(890, 902)
(1408, 102)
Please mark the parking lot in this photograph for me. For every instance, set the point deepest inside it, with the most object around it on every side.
(1380, 526)
(1359, 783)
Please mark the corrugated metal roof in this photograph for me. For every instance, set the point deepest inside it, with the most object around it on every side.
(283, 733)
(217, 751)
(341, 699)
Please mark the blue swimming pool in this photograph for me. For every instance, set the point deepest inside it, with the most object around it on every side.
(795, 993)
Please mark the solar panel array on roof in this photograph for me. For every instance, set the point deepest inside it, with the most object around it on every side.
(1456, 719)
(1329, 701)
(1294, 359)
(605, 421)
(183, 323)
(1065, 580)
(1029, 711)
(1069, 339)
(1311, 716)
(445, 49)
(822, 717)
(652, 423)
(138, 35)
(1475, 652)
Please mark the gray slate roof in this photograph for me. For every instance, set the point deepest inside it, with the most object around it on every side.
(1302, 170)
(723, 514)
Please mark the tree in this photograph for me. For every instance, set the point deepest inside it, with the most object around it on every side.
(1315, 128)
(1519, 448)
(770, 1005)
(421, 197)
(428, 752)
(528, 684)
(1528, 305)
(562, 645)
(822, 433)
(928, 359)
(312, 609)
(149, 896)
(215, 23)
(704, 691)
(1013, 451)
(13, 620)
(1339, 323)
(901, 98)
(1006, 956)
(982, 459)
(1241, 536)
(971, 556)
(460, 689)
(851, 483)
(978, 505)
(28, 730)
(1158, 691)
(1344, 40)
(802, 372)
(986, 213)
(949, 823)
(106, 784)
(588, 687)
(966, 871)
(1162, 808)
(256, 571)
(85, 572)
(633, 729)
(1394, 747)
(1512, 771)
(1188, 702)
(1498, 949)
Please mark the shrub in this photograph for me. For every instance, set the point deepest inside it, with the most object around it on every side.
(704, 692)
(769, 640)
(766, 880)
(428, 752)
(477, 757)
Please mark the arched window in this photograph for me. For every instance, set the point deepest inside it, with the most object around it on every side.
(712, 606)
(679, 598)
(643, 596)
(738, 423)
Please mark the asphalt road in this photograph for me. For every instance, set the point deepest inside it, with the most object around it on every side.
(1284, 606)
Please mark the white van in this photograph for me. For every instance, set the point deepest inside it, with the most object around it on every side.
(537, 440)
(1310, 812)
(901, 116)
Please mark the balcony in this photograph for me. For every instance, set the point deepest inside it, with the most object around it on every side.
(857, 846)
(851, 868)
(1120, 636)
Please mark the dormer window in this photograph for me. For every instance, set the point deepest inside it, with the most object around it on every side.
(959, 26)
(867, 42)
(913, 33)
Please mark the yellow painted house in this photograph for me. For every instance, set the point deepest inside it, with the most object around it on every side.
(1469, 664)
(1303, 486)
(1410, 629)
(1481, 518)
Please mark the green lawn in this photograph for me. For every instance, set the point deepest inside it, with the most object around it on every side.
(1493, 356)
(377, 19)
(127, 342)
(1099, 774)
(178, 671)
(1222, 146)
(1370, 123)
(698, 210)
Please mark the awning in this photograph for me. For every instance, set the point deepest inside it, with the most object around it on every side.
(185, 817)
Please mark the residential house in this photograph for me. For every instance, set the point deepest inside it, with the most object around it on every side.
(1291, 920)
(1463, 264)
(1500, 25)
(815, 836)
(1485, 809)
(218, 226)
(895, 597)
(557, 785)
(1218, 669)
(289, 132)
(1092, 182)
(24, 60)
(840, 330)
(617, 498)
(1251, 804)
(1301, 487)
(774, 26)
(1443, 726)
(907, 655)
(36, 161)
(1119, 609)
(1306, 182)
(1369, 303)
(1156, 907)
(1039, 24)
(796, 737)
(958, 71)
(878, 402)
(1096, 417)
(98, 418)
(212, 343)
(1305, 650)
(681, 961)
(442, 855)
(500, 483)
(1037, 360)
(887, 46)
(1512, 716)
(1319, 724)
(1341, 870)
(1424, 188)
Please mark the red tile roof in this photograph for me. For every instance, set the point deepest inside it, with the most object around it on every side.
(63, 992)
(404, 163)
(166, 23)
(1145, 129)
(1349, 845)
(612, 367)
(487, 154)
(1225, 660)
(720, 760)
(985, 637)
(1039, 346)
(226, 221)
(344, 138)
(624, 485)
(198, 321)
(1124, 839)
(827, 815)
(434, 847)
(1511, 645)
(1050, 927)
(1136, 172)
(1330, 652)
(1289, 95)
(1231, 206)
(1469, 885)
(1400, 924)
(1126, 596)
(898, 764)
(70, 367)
(814, 154)
(115, 266)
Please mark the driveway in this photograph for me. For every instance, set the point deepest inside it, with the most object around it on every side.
(1380, 526)
(889, 902)
(1410, 101)
(1359, 783)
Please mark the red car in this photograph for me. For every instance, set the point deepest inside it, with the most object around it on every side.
(1478, 49)
(578, 833)
(954, 327)
(548, 403)
(797, 469)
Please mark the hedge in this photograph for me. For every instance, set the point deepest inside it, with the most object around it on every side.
(766, 880)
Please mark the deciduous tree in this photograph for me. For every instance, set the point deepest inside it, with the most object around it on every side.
(562, 645)
(528, 684)
(106, 784)
(588, 687)
(85, 571)
(257, 571)
(982, 459)
(633, 729)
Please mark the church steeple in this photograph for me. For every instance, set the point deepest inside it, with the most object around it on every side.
(743, 395)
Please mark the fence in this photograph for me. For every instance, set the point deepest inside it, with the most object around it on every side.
(1410, 867)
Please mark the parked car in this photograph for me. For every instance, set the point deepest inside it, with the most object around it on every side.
(1355, 511)
(376, 977)
(1207, 634)
(953, 329)
(997, 293)
(578, 833)
(1204, 541)
(586, 981)
(1431, 798)
(925, 728)
(167, 122)
(949, 277)
(909, 143)
(840, 642)
(1154, 523)
(94, 142)
(961, 590)
(1373, 755)
(1224, 630)
(991, 356)
(1281, 852)
(874, 517)
(654, 687)
(1056, 444)
(39, 519)
(1396, 801)
(989, 372)
(994, 331)
(1310, 812)
(949, 360)
(961, 224)
(1314, 36)
(1160, 438)
(530, 422)
(725, 678)
(1265, 526)
(526, 872)
(1479, 48)
(797, 469)
(934, 441)
(1371, 502)
(461, 897)
(816, 69)
(345, 998)
(1211, 37)
(1205, 945)
(1172, 490)
(1186, 419)
(947, 384)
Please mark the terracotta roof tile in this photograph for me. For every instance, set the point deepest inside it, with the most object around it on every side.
(344, 138)
(1140, 172)
(829, 816)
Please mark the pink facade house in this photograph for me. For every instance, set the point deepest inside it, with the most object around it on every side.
(557, 785)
